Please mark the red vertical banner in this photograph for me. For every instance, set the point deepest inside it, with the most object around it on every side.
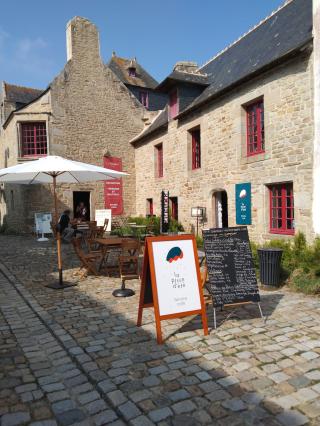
(113, 188)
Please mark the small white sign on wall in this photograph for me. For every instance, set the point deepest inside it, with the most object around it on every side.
(100, 217)
(176, 276)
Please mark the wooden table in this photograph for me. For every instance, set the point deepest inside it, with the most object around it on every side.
(107, 243)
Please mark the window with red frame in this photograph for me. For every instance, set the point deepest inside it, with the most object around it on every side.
(281, 209)
(173, 104)
(174, 207)
(149, 207)
(144, 99)
(159, 149)
(33, 139)
(255, 128)
(196, 149)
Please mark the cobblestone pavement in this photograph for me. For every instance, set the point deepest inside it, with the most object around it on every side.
(77, 357)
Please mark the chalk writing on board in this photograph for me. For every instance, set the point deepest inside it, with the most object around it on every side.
(232, 277)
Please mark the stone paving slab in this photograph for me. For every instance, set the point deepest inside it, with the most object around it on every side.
(76, 356)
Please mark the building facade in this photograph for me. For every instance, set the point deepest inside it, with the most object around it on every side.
(246, 117)
(87, 114)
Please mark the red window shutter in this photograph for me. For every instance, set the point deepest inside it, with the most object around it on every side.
(173, 104)
(255, 128)
(144, 99)
(196, 149)
(174, 207)
(160, 160)
(193, 151)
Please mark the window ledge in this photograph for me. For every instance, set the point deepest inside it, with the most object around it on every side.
(26, 159)
(279, 232)
(254, 158)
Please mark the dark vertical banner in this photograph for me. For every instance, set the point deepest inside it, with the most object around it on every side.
(165, 211)
(113, 188)
(243, 203)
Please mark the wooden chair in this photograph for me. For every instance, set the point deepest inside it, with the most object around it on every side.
(204, 279)
(128, 266)
(105, 226)
(88, 260)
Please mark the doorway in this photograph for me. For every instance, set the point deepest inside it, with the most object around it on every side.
(220, 209)
(81, 197)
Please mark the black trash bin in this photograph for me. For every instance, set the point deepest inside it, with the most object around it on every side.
(269, 265)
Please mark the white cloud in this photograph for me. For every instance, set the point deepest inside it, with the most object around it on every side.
(24, 59)
(27, 46)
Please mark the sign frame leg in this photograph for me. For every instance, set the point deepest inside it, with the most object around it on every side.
(262, 316)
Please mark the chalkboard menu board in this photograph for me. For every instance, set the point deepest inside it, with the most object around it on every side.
(232, 277)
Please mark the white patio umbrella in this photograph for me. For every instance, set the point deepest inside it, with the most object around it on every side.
(54, 169)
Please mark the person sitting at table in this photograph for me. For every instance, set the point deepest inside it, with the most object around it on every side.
(81, 212)
(65, 228)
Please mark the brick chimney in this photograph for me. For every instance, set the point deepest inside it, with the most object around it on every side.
(82, 40)
(186, 66)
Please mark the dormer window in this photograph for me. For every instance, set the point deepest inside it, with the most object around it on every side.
(173, 104)
(132, 72)
(132, 68)
(144, 98)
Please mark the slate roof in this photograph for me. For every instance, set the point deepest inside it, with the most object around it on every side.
(183, 77)
(120, 67)
(282, 33)
(20, 94)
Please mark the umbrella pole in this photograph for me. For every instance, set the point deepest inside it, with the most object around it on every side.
(58, 233)
(59, 285)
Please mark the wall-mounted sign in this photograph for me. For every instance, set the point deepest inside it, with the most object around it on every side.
(171, 281)
(165, 218)
(243, 204)
(198, 212)
(101, 215)
(113, 188)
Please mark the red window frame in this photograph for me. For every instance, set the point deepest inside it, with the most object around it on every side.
(34, 139)
(174, 207)
(173, 104)
(159, 160)
(150, 206)
(255, 128)
(144, 98)
(281, 209)
(196, 148)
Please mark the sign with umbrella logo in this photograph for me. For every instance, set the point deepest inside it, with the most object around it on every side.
(243, 203)
(171, 281)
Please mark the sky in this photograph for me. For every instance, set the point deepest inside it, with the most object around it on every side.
(158, 32)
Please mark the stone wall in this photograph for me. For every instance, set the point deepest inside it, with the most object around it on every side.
(288, 101)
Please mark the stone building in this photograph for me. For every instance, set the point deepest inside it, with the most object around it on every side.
(244, 124)
(247, 116)
(89, 112)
